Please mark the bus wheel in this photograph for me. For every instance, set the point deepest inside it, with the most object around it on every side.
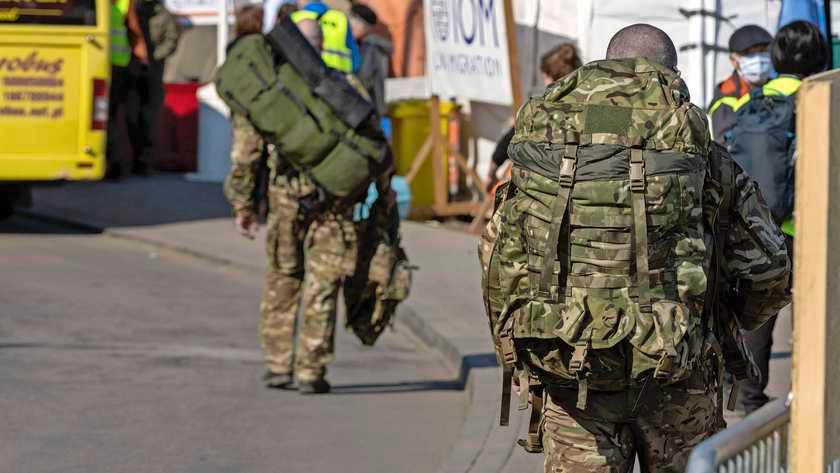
(11, 196)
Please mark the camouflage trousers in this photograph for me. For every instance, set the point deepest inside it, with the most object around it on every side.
(606, 437)
(305, 268)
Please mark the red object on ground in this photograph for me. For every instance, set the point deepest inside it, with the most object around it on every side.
(179, 129)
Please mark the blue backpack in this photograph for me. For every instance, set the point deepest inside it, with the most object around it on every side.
(762, 142)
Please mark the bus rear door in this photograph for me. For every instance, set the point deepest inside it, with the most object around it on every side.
(54, 68)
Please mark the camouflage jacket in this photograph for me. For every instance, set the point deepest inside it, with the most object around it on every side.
(247, 148)
(756, 267)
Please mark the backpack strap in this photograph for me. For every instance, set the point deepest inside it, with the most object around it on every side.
(559, 212)
(508, 363)
(640, 229)
(723, 172)
(726, 169)
(533, 442)
(727, 183)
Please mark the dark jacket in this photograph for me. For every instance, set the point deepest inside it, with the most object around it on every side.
(720, 109)
(376, 53)
(160, 29)
(500, 154)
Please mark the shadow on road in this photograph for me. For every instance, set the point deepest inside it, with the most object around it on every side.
(469, 362)
(136, 201)
(404, 387)
(24, 225)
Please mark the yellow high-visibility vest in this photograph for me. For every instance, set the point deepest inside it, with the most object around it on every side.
(784, 85)
(729, 101)
(335, 26)
(120, 46)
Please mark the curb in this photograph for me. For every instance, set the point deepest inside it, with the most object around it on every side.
(481, 448)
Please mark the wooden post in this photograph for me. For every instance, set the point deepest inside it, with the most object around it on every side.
(438, 154)
(815, 421)
(513, 56)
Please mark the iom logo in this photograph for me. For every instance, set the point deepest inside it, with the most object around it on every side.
(440, 19)
(466, 21)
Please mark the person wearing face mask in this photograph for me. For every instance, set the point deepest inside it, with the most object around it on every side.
(748, 53)
(763, 142)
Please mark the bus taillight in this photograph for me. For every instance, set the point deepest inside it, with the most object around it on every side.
(100, 105)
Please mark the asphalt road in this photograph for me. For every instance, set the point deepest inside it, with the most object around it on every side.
(116, 357)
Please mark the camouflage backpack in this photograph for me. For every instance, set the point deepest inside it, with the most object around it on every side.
(382, 278)
(597, 276)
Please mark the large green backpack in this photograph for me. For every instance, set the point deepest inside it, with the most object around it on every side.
(311, 113)
(597, 276)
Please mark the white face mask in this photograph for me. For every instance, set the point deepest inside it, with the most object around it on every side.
(755, 68)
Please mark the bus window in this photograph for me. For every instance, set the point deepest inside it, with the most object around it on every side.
(48, 12)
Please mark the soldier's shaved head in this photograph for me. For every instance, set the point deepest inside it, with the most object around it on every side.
(643, 40)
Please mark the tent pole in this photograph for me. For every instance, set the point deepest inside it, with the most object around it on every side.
(221, 31)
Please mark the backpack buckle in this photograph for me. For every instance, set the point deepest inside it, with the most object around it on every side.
(664, 368)
(579, 357)
(508, 352)
(568, 166)
(637, 170)
(567, 172)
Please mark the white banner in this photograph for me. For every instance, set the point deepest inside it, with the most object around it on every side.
(466, 50)
(203, 12)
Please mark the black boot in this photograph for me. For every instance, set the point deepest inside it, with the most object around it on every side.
(277, 380)
(316, 386)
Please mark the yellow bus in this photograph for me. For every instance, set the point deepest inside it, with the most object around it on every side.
(54, 71)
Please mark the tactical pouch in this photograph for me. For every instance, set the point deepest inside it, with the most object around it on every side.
(400, 286)
(354, 159)
(381, 280)
(247, 73)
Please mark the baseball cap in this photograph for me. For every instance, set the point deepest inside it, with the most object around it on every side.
(748, 36)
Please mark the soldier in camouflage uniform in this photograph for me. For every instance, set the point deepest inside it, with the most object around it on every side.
(309, 253)
(308, 257)
(602, 263)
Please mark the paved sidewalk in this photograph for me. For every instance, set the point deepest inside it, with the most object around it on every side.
(445, 309)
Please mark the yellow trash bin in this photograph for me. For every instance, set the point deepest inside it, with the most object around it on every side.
(410, 128)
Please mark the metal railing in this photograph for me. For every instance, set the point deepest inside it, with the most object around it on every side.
(757, 444)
